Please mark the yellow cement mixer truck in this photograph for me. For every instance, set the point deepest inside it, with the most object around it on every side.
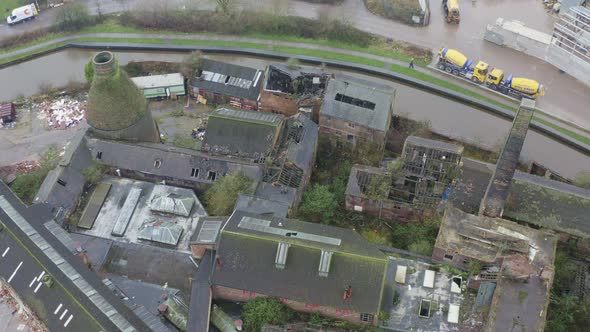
(451, 8)
(454, 62)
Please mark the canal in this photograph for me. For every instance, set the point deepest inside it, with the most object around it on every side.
(445, 116)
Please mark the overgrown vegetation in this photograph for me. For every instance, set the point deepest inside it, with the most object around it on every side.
(26, 185)
(582, 179)
(264, 310)
(73, 16)
(319, 204)
(158, 17)
(567, 312)
(191, 64)
(221, 198)
(94, 173)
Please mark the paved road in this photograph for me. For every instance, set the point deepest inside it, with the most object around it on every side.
(22, 272)
(564, 96)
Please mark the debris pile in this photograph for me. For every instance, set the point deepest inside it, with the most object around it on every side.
(62, 113)
(8, 173)
(11, 303)
(7, 125)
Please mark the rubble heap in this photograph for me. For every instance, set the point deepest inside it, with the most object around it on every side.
(62, 113)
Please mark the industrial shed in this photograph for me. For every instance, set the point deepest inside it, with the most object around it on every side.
(161, 86)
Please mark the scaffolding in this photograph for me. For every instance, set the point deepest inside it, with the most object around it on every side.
(572, 33)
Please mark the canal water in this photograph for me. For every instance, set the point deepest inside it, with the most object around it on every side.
(445, 116)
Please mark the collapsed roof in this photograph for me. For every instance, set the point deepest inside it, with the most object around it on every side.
(228, 79)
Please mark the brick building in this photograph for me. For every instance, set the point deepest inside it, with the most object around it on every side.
(353, 109)
(415, 183)
(310, 267)
(224, 83)
(289, 90)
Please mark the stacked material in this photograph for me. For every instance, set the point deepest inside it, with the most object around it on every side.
(62, 113)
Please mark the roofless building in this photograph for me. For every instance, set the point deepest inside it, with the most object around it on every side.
(117, 109)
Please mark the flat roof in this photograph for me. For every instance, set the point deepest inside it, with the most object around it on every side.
(158, 81)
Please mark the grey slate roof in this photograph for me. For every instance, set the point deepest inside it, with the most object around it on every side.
(277, 193)
(244, 82)
(378, 118)
(242, 133)
(200, 303)
(175, 162)
(263, 206)
(247, 262)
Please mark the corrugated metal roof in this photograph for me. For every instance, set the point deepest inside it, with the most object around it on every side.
(258, 117)
(242, 82)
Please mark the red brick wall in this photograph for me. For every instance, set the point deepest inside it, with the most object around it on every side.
(384, 210)
(237, 295)
(343, 128)
(271, 101)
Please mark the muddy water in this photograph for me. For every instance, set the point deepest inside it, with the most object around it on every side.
(446, 117)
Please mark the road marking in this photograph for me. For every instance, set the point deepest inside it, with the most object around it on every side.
(38, 286)
(63, 314)
(57, 309)
(32, 282)
(41, 275)
(15, 271)
(68, 321)
(5, 251)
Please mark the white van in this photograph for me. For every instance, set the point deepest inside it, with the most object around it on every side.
(21, 14)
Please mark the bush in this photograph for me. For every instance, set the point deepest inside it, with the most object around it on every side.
(421, 247)
(319, 204)
(263, 310)
(89, 71)
(94, 173)
(26, 185)
(375, 237)
(582, 179)
(191, 64)
(222, 196)
(405, 235)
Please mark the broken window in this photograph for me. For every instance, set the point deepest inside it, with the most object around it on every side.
(61, 182)
(449, 257)
(350, 124)
(350, 137)
(194, 172)
(211, 176)
(367, 318)
(157, 163)
(99, 155)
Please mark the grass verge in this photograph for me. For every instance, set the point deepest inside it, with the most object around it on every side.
(36, 51)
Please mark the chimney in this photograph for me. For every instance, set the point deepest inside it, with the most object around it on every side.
(104, 63)
(494, 200)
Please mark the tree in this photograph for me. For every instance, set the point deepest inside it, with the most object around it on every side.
(319, 204)
(222, 196)
(264, 310)
(474, 267)
(191, 64)
(225, 5)
(73, 16)
(421, 247)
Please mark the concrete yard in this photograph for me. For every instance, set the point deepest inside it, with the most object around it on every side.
(113, 205)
